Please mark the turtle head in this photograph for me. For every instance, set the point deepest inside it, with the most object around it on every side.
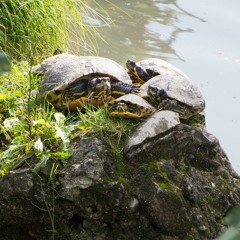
(99, 87)
(136, 72)
(121, 107)
(156, 94)
(124, 110)
(99, 90)
(57, 51)
(117, 108)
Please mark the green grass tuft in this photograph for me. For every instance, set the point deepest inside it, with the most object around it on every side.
(34, 29)
(112, 131)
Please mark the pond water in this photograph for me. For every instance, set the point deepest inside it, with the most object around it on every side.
(199, 37)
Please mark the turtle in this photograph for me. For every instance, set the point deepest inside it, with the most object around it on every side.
(170, 90)
(173, 92)
(67, 80)
(140, 72)
(130, 106)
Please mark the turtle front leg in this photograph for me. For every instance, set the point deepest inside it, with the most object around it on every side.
(119, 89)
(175, 106)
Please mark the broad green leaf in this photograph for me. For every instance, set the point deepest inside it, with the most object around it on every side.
(11, 153)
(11, 123)
(15, 156)
(42, 163)
(21, 159)
(62, 154)
(63, 135)
(71, 127)
(60, 118)
(39, 121)
(15, 125)
(38, 147)
(81, 127)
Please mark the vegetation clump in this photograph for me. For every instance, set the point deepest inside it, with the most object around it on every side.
(29, 131)
(33, 29)
(29, 32)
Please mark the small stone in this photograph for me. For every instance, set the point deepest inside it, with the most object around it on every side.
(158, 123)
(203, 228)
(134, 204)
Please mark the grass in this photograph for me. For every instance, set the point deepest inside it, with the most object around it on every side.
(29, 32)
(33, 29)
(112, 131)
(99, 124)
(40, 132)
(29, 131)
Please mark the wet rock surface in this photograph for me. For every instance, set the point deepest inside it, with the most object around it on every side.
(177, 185)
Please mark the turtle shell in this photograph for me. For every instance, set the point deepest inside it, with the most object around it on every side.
(136, 107)
(156, 66)
(64, 71)
(178, 87)
(149, 68)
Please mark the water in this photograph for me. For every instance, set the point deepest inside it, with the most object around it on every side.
(199, 37)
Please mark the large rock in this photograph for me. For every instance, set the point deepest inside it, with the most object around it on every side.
(177, 185)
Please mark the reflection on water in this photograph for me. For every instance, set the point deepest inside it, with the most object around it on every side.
(139, 29)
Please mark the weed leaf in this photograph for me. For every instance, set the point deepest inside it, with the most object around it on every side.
(60, 118)
(42, 163)
(38, 147)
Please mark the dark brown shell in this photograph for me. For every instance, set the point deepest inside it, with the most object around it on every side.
(61, 70)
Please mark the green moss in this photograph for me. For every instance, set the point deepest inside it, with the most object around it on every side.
(164, 186)
(119, 163)
(123, 180)
(153, 165)
(155, 169)
(183, 169)
(195, 120)
(156, 166)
